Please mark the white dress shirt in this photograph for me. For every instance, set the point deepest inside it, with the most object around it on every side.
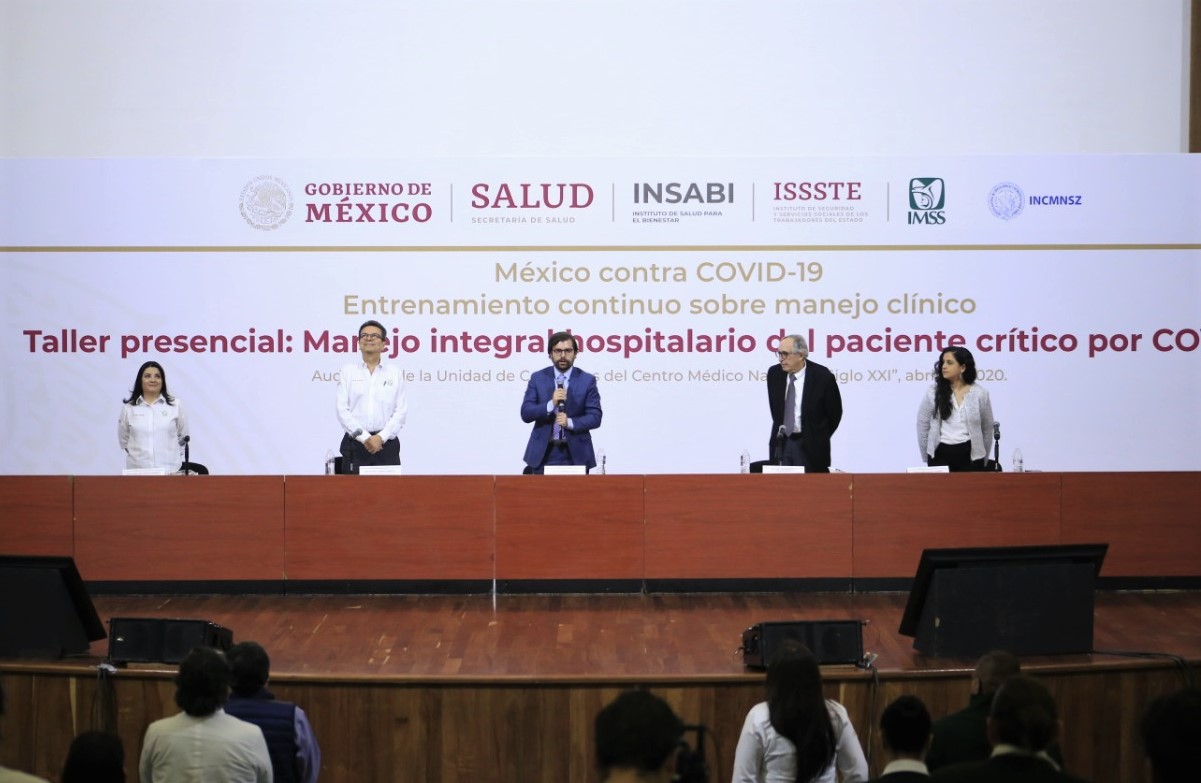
(371, 401)
(217, 748)
(150, 434)
(763, 756)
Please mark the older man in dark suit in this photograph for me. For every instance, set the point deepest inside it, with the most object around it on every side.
(806, 407)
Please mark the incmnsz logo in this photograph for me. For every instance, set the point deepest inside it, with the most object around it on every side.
(927, 199)
(266, 202)
(1006, 200)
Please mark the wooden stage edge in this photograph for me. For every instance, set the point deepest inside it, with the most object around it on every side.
(505, 688)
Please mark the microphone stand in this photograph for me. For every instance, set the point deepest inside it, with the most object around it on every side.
(779, 456)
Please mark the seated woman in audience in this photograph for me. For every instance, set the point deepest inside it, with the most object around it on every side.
(797, 734)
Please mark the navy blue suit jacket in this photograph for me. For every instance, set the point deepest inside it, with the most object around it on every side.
(583, 410)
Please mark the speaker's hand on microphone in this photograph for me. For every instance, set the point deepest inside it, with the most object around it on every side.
(559, 396)
(561, 419)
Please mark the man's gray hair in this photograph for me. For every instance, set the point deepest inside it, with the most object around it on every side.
(798, 343)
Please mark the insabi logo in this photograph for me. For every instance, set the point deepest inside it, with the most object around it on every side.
(1006, 200)
(266, 203)
(927, 199)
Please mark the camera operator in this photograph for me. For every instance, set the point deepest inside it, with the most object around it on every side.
(639, 739)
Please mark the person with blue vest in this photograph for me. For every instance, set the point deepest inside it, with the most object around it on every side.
(295, 755)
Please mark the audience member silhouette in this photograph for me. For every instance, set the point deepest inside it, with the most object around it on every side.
(1171, 730)
(637, 739)
(95, 757)
(295, 755)
(905, 734)
(963, 736)
(1022, 724)
(798, 734)
(202, 742)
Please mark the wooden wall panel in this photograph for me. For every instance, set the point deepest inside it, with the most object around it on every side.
(36, 515)
(569, 527)
(162, 528)
(748, 526)
(522, 731)
(389, 528)
(898, 515)
(1152, 521)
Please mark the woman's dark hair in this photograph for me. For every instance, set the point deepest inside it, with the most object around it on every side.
(942, 387)
(137, 384)
(95, 757)
(798, 709)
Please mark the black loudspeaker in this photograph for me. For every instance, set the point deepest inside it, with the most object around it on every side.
(45, 611)
(1044, 609)
(832, 641)
(156, 640)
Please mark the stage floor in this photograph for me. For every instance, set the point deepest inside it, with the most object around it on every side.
(611, 638)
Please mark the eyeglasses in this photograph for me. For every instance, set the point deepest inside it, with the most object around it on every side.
(370, 337)
(782, 354)
(562, 351)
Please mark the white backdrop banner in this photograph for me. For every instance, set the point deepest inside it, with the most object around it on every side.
(1075, 281)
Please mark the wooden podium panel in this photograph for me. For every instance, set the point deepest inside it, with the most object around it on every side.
(35, 515)
(389, 527)
(748, 526)
(899, 515)
(1151, 521)
(179, 528)
(569, 527)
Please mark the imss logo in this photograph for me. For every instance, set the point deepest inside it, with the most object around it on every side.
(927, 199)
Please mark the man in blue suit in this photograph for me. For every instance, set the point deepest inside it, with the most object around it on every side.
(564, 405)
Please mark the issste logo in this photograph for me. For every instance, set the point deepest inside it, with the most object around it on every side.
(266, 203)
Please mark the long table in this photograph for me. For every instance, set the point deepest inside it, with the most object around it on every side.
(590, 532)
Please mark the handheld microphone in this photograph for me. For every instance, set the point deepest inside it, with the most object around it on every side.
(561, 407)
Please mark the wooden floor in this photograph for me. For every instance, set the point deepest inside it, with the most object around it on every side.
(605, 637)
(452, 689)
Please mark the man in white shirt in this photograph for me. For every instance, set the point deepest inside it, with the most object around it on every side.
(202, 742)
(371, 404)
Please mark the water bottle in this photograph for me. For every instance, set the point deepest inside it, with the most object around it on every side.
(329, 463)
(1018, 467)
(744, 462)
(601, 459)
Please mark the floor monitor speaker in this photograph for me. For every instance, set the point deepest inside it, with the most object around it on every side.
(832, 641)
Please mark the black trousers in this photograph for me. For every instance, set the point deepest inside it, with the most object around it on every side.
(956, 456)
(355, 455)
